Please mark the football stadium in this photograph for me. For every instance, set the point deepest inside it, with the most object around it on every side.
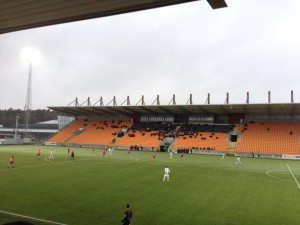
(229, 164)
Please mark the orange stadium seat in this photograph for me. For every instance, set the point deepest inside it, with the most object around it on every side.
(218, 141)
(144, 139)
(270, 138)
(68, 131)
(100, 132)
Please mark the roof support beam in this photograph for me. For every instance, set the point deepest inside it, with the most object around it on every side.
(142, 100)
(227, 98)
(216, 4)
(173, 100)
(156, 100)
(190, 100)
(208, 99)
(247, 98)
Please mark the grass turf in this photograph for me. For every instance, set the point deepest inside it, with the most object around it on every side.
(202, 190)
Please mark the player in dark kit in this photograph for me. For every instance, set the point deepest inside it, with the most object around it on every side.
(127, 216)
(72, 155)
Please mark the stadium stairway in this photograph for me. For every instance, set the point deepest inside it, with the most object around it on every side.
(64, 135)
(76, 133)
(171, 146)
(232, 145)
(52, 135)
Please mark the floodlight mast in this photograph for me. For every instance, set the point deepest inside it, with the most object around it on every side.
(16, 130)
(28, 103)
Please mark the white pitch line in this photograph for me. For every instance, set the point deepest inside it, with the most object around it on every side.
(48, 164)
(32, 218)
(279, 178)
(293, 176)
(25, 167)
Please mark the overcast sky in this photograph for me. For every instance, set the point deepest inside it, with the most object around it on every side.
(250, 46)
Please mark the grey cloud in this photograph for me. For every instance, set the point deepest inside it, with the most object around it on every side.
(184, 49)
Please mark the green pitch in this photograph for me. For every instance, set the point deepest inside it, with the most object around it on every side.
(93, 190)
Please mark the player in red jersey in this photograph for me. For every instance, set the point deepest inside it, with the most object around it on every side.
(129, 150)
(11, 162)
(38, 154)
(68, 151)
(93, 150)
(181, 154)
(103, 152)
(153, 156)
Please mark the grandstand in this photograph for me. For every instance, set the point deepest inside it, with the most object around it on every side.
(265, 130)
(270, 138)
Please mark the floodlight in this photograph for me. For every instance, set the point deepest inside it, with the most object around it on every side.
(30, 54)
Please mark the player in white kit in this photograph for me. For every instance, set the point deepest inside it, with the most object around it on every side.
(223, 155)
(238, 160)
(51, 156)
(167, 173)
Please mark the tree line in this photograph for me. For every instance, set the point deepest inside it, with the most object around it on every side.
(8, 116)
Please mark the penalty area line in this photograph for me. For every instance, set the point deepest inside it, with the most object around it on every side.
(32, 218)
(293, 176)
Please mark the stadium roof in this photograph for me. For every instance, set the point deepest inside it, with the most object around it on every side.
(19, 14)
(48, 122)
(268, 109)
